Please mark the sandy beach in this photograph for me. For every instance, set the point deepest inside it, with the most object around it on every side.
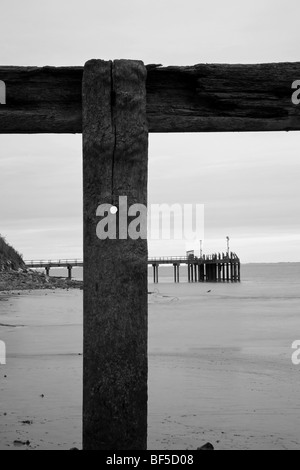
(44, 370)
(220, 367)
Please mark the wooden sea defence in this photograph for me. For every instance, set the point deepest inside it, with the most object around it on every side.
(198, 98)
(115, 104)
(115, 163)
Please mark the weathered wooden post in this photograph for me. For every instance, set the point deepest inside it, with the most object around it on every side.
(115, 163)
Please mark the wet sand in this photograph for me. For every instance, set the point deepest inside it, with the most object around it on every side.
(42, 359)
(220, 368)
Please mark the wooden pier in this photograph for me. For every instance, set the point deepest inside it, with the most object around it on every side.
(48, 264)
(209, 268)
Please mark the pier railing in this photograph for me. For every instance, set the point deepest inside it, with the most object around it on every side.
(159, 259)
(52, 263)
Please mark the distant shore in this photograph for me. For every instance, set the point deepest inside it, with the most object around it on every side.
(32, 280)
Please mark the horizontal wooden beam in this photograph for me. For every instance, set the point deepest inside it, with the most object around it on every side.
(41, 100)
(200, 98)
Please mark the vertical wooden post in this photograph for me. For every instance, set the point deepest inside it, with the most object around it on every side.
(176, 273)
(70, 273)
(115, 163)
(227, 272)
(233, 271)
(208, 273)
(202, 278)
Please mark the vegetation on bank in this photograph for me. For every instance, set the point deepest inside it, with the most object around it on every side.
(10, 259)
(15, 276)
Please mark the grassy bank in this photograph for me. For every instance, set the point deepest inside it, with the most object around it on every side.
(10, 259)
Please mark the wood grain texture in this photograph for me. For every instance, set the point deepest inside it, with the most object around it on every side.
(200, 98)
(115, 163)
(223, 98)
(41, 100)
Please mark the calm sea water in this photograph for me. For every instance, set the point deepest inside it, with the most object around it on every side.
(220, 366)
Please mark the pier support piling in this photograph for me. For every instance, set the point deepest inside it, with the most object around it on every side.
(202, 273)
(70, 273)
(233, 271)
(195, 272)
(176, 273)
(156, 273)
(115, 163)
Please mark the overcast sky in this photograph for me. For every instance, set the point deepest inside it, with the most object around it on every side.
(254, 197)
